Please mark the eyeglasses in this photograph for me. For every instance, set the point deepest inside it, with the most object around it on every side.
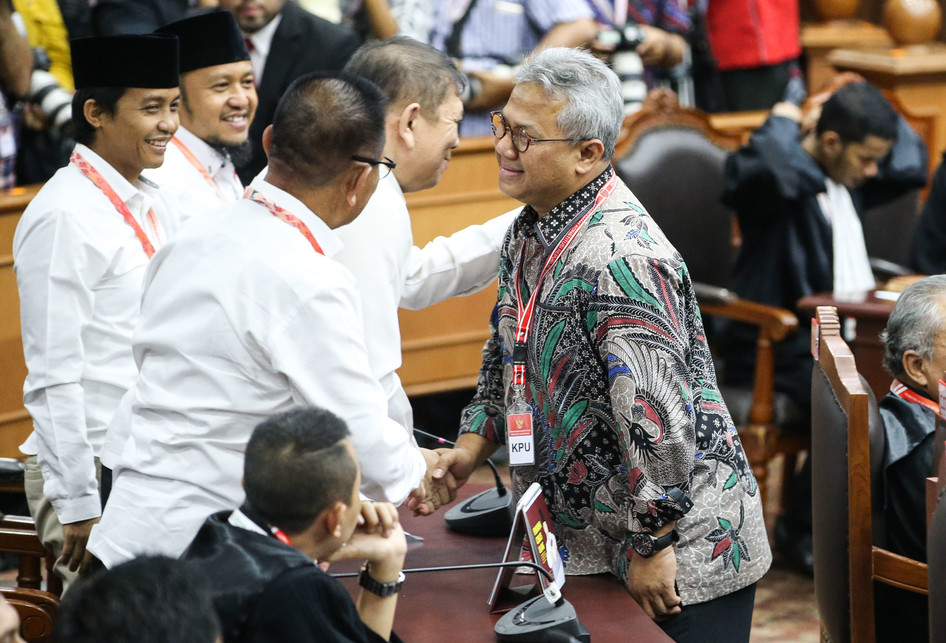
(386, 164)
(520, 139)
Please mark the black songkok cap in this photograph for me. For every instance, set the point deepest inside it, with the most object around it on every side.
(208, 39)
(125, 61)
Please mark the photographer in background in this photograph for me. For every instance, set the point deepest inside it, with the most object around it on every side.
(645, 43)
(15, 67)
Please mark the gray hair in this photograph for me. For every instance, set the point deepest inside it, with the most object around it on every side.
(915, 321)
(592, 93)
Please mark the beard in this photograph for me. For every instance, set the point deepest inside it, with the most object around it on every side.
(238, 154)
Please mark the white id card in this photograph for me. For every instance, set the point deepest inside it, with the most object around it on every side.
(519, 439)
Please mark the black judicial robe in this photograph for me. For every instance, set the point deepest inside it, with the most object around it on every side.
(910, 431)
(928, 253)
(269, 592)
(787, 251)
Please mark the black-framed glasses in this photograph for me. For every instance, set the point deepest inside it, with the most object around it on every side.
(520, 139)
(385, 164)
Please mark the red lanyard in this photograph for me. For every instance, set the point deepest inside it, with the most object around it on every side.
(524, 314)
(199, 167)
(285, 216)
(99, 181)
(901, 390)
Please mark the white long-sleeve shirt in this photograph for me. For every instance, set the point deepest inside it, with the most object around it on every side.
(79, 268)
(392, 272)
(241, 319)
(191, 194)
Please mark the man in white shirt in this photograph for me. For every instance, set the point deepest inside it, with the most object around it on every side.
(218, 101)
(80, 251)
(422, 85)
(244, 315)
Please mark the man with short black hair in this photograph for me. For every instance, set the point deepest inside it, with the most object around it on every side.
(151, 599)
(302, 507)
(422, 86)
(80, 252)
(244, 315)
(915, 356)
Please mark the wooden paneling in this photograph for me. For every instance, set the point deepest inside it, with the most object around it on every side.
(15, 423)
(441, 345)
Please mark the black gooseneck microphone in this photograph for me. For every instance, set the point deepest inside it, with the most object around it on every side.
(489, 513)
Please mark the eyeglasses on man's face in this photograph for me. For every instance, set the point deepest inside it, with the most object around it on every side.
(520, 140)
(385, 165)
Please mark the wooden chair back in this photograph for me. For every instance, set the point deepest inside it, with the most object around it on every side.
(847, 562)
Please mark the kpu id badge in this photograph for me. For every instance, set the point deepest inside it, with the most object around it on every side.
(519, 430)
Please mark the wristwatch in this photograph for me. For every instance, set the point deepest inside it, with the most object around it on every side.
(379, 589)
(646, 545)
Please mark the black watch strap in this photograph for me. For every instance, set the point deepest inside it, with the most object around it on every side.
(646, 545)
(379, 589)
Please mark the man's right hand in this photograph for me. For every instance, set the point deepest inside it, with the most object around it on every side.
(75, 536)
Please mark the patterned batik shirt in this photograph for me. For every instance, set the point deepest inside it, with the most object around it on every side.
(626, 411)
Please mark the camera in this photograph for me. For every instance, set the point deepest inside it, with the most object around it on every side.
(55, 101)
(626, 38)
(626, 62)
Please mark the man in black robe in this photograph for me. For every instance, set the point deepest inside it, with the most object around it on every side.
(302, 507)
(915, 355)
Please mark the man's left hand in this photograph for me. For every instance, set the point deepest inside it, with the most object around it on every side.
(650, 581)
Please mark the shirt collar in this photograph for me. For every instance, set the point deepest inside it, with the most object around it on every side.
(210, 158)
(328, 240)
(125, 190)
(549, 227)
(263, 39)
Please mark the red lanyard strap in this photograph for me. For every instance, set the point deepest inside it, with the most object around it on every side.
(99, 181)
(524, 314)
(285, 216)
(902, 391)
(199, 167)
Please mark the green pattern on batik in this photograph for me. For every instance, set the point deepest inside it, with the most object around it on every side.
(728, 543)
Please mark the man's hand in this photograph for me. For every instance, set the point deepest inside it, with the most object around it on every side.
(438, 487)
(75, 536)
(379, 539)
(650, 581)
(660, 48)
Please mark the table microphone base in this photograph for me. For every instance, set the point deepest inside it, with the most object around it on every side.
(539, 620)
(485, 514)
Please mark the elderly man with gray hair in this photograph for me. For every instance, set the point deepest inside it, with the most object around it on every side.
(597, 376)
(915, 355)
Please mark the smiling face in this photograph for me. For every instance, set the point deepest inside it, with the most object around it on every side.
(253, 15)
(545, 174)
(434, 141)
(136, 135)
(219, 103)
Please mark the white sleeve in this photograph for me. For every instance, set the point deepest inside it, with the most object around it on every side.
(322, 353)
(461, 264)
(56, 268)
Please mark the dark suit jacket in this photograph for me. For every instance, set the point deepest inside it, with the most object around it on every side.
(117, 17)
(303, 43)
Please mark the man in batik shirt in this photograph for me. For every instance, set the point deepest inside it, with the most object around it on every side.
(635, 450)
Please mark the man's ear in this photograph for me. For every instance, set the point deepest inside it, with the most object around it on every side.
(913, 364)
(406, 121)
(332, 518)
(831, 144)
(93, 113)
(355, 182)
(267, 139)
(590, 153)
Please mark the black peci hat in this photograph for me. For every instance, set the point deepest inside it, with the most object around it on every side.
(208, 39)
(125, 61)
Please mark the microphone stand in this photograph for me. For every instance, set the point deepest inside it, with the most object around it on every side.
(547, 617)
(489, 513)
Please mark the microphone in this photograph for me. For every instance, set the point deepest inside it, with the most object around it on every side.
(489, 513)
(545, 618)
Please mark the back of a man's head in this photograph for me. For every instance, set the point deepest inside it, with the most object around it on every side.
(297, 464)
(408, 71)
(858, 110)
(322, 121)
(151, 599)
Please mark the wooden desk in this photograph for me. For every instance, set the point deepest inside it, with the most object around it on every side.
(870, 315)
(820, 38)
(451, 606)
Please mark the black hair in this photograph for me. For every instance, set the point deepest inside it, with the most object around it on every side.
(297, 465)
(151, 599)
(856, 111)
(408, 71)
(321, 121)
(105, 97)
